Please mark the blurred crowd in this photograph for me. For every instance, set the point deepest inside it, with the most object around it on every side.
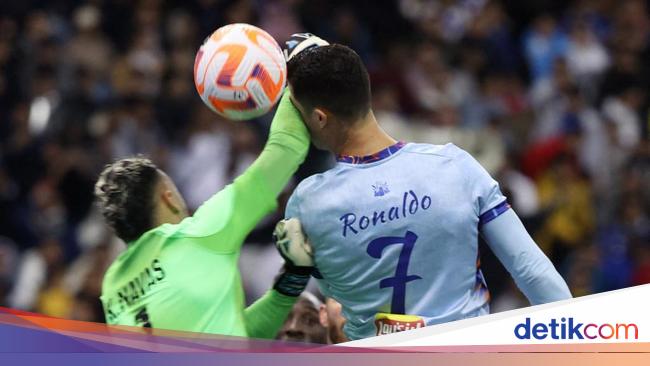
(550, 96)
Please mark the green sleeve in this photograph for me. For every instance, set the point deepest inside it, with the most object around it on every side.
(265, 317)
(257, 189)
(236, 210)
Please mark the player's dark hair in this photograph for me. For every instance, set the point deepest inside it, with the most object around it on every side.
(124, 192)
(332, 77)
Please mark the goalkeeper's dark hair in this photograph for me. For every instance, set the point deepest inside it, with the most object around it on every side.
(332, 77)
(124, 192)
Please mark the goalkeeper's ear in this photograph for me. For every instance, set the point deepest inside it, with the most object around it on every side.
(172, 207)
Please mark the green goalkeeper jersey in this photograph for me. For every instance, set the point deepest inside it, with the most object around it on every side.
(185, 276)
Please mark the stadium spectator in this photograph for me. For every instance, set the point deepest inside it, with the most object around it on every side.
(303, 323)
(332, 320)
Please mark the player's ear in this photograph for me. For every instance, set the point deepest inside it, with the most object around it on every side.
(322, 315)
(319, 117)
(169, 200)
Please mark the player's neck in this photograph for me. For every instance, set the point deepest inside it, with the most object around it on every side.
(162, 215)
(366, 139)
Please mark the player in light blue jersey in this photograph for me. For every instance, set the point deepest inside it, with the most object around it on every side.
(394, 226)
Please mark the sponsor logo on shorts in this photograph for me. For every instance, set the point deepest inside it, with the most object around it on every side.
(393, 323)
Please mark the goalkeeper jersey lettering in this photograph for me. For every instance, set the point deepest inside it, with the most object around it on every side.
(396, 233)
(175, 282)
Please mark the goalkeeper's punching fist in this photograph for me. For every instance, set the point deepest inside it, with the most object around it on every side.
(301, 42)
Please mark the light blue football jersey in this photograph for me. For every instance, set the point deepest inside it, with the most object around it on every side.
(397, 233)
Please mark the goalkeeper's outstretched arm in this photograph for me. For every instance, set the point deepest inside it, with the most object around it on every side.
(234, 211)
(532, 271)
(257, 189)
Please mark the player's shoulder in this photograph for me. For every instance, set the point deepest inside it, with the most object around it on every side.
(113, 273)
(148, 244)
(314, 183)
(109, 273)
(448, 150)
(324, 180)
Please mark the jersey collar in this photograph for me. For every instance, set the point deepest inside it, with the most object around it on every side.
(380, 155)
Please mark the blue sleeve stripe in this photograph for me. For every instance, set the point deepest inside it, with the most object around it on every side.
(493, 213)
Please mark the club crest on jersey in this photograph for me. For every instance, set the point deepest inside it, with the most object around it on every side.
(380, 189)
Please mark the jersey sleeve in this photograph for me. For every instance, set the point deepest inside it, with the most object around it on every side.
(532, 271)
(488, 200)
(233, 212)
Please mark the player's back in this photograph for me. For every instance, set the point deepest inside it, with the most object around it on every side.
(399, 235)
(171, 280)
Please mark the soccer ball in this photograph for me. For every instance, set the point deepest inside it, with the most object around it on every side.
(240, 71)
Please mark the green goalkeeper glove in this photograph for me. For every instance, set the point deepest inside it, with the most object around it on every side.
(301, 42)
(294, 247)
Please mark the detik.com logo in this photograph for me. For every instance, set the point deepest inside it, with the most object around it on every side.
(569, 328)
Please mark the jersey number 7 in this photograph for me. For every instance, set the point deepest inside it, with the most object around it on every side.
(401, 278)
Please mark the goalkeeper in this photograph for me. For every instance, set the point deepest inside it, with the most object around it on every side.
(179, 271)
